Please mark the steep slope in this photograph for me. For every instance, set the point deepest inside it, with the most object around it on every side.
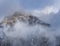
(23, 17)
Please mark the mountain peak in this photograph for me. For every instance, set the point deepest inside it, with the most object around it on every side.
(23, 17)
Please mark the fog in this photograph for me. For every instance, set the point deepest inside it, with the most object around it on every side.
(23, 34)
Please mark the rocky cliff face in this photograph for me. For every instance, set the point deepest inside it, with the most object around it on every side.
(23, 17)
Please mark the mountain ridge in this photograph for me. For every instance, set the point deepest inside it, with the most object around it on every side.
(23, 17)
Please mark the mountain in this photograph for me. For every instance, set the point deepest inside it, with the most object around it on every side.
(22, 17)
(30, 35)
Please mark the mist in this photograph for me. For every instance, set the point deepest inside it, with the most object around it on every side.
(23, 34)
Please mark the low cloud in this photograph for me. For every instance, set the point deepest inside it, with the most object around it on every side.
(46, 11)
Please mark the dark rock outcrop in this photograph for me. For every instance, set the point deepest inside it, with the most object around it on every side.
(23, 17)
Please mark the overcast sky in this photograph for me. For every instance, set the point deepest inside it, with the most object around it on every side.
(32, 4)
(27, 4)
